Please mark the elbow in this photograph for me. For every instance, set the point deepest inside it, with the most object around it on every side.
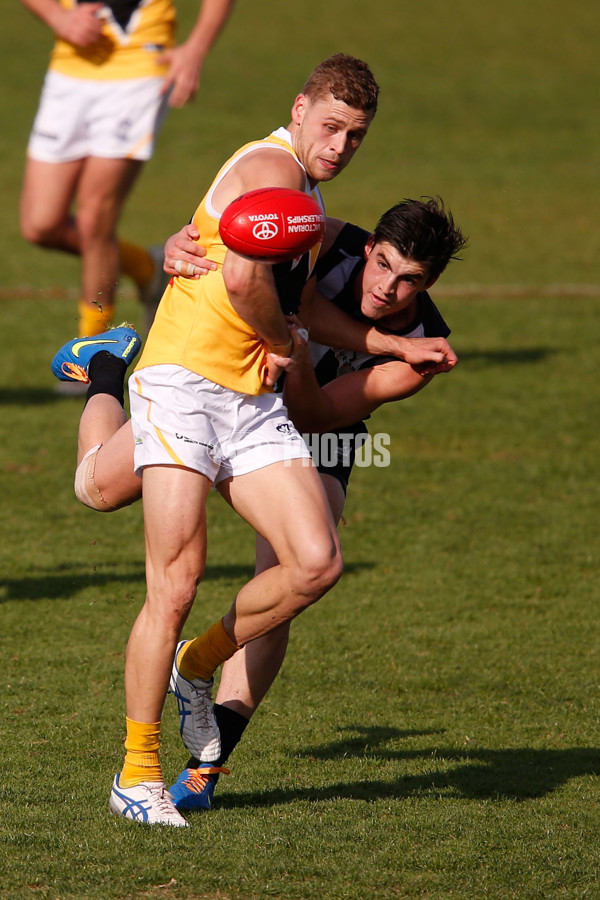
(244, 282)
(235, 282)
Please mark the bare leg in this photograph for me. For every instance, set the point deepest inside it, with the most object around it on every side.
(175, 527)
(103, 188)
(248, 675)
(245, 679)
(100, 187)
(46, 197)
(305, 543)
(114, 476)
(105, 477)
(301, 531)
(101, 419)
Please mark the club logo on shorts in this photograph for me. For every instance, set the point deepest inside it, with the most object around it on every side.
(123, 129)
(287, 430)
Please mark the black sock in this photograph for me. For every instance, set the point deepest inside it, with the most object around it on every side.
(107, 376)
(232, 726)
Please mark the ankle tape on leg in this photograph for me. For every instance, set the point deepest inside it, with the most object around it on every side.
(86, 490)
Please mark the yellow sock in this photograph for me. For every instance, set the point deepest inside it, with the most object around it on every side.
(94, 319)
(141, 759)
(136, 262)
(201, 656)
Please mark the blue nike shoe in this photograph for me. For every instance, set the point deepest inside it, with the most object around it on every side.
(194, 788)
(72, 361)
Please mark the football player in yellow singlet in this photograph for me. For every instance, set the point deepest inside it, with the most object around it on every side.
(192, 431)
(201, 417)
(113, 71)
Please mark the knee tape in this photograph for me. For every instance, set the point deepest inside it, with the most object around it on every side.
(86, 490)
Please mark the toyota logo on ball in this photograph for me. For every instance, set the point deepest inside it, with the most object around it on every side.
(265, 231)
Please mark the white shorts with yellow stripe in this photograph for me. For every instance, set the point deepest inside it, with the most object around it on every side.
(182, 419)
(77, 118)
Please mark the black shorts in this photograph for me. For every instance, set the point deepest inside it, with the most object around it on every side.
(334, 452)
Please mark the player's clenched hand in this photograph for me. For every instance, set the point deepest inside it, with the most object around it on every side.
(80, 26)
(184, 256)
(428, 356)
(298, 354)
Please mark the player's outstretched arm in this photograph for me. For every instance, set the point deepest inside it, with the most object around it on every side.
(331, 326)
(356, 395)
(347, 399)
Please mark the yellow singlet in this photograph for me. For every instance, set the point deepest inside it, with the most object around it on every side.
(196, 326)
(134, 33)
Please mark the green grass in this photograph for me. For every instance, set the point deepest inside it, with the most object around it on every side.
(435, 730)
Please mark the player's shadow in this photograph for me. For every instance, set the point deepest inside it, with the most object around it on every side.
(32, 397)
(68, 580)
(508, 357)
(516, 774)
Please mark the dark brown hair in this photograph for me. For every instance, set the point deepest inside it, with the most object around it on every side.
(422, 230)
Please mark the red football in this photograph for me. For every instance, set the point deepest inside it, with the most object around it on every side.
(272, 224)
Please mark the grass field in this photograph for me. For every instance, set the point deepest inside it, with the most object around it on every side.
(435, 730)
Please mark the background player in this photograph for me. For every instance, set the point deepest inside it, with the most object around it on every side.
(113, 71)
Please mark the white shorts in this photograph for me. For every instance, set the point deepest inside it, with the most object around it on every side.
(182, 419)
(77, 118)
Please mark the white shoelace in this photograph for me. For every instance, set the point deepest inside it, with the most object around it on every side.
(161, 800)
